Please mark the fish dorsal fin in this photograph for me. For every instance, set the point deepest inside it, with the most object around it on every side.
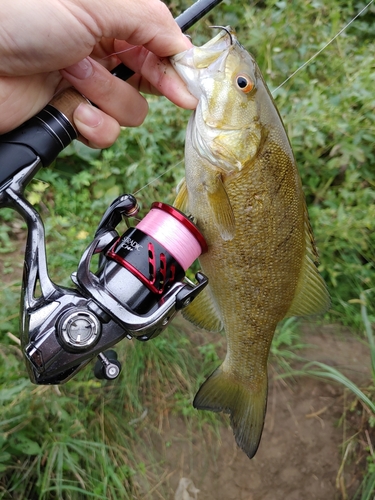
(203, 312)
(181, 201)
(311, 295)
(221, 209)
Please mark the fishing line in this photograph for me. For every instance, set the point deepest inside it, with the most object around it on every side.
(158, 177)
(120, 52)
(283, 83)
(324, 47)
(137, 46)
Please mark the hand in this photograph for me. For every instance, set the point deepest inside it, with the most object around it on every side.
(47, 45)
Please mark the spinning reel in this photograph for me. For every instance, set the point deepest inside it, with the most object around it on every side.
(140, 282)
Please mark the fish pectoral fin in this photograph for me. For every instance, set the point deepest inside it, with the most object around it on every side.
(181, 201)
(221, 209)
(311, 295)
(202, 312)
(247, 407)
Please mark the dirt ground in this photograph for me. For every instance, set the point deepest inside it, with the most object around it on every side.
(301, 449)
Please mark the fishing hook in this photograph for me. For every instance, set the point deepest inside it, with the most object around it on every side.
(225, 29)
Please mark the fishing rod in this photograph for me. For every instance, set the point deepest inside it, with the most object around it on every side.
(140, 282)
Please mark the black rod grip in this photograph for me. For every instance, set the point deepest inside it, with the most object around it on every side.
(43, 136)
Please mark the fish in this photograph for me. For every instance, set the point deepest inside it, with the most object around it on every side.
(243, 189)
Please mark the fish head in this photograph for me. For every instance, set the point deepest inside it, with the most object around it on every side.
(224, 77)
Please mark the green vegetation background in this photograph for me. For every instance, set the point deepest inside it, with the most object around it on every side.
(77, 441)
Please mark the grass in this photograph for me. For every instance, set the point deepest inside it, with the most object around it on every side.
(90, 438)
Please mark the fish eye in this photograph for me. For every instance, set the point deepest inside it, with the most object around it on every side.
(244, 83)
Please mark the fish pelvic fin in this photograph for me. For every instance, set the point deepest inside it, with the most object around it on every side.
(203, 312)
(311, 295)
(246, 406)
(181, 201)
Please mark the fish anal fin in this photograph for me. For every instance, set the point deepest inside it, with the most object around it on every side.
(311, 295)
(246, 406)
(181, 201)
(221, 209)
(202, 312)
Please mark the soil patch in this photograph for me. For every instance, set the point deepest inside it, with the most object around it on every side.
(301, 449)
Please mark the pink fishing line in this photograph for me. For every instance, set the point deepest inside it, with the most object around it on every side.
(175, 232)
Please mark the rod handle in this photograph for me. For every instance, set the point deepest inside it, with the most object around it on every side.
(67, 101)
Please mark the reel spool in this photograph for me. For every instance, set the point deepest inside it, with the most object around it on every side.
(148, 259)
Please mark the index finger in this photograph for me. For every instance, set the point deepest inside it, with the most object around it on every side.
(140, 22)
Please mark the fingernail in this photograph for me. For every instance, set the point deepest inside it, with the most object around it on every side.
(188, 41)
(188, 100)
(88, 115)
(81, 70)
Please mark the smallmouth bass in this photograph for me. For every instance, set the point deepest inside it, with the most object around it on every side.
(244, 190)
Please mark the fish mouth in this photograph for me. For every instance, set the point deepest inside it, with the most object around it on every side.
(202, 57)
(212, 56)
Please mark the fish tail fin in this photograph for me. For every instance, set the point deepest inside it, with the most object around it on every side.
(247, 407)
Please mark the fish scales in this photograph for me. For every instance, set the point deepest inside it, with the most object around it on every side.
(265, 269)
(244, 190)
